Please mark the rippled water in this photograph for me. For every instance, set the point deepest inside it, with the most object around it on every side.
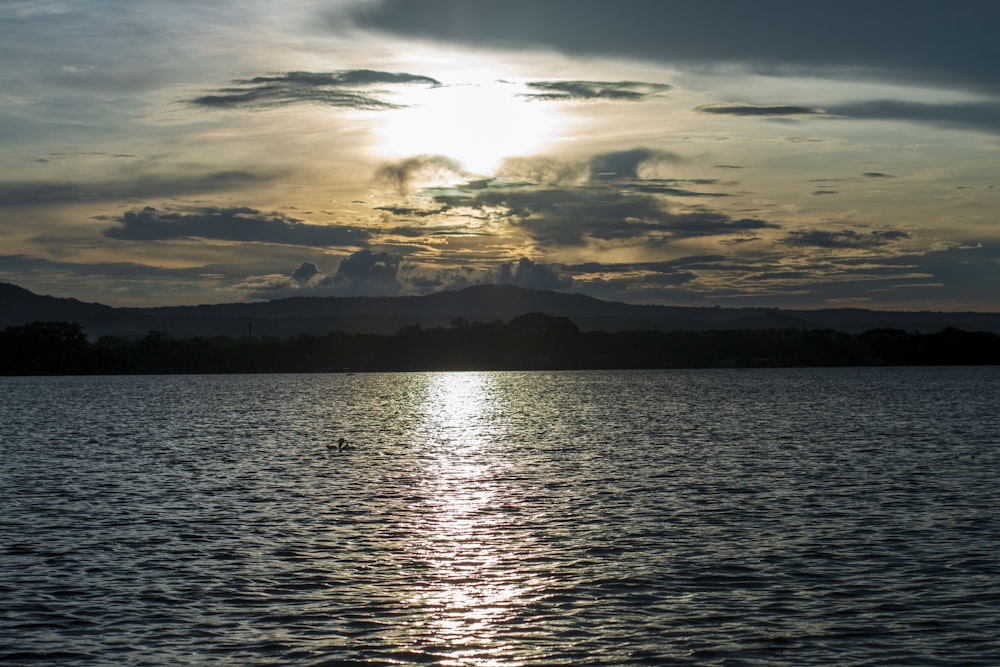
(783, 517)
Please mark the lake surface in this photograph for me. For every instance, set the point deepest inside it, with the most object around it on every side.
(763, 517)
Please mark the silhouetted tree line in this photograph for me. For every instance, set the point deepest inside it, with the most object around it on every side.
(528, 342)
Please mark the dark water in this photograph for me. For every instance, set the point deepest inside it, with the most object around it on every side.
(777, 517)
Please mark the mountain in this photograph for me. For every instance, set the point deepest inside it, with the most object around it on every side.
(482, 303)
(19, 306)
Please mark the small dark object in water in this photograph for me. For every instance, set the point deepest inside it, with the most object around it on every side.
(341, 446)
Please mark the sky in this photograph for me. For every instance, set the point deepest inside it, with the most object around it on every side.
(772, 153)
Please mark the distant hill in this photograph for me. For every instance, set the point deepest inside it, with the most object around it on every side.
(19, 306)
(483, 303)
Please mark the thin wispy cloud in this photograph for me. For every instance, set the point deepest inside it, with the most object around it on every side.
(356, 89)
(631, 91)
(759, 110)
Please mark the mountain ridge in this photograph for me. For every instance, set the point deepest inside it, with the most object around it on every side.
(319, 315)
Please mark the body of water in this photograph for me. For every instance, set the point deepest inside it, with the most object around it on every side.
(773, 517)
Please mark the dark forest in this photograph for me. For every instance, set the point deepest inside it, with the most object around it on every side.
(529, 342)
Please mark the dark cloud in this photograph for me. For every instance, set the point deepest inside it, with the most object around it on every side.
(425, 279)
(845, 238)
(668, 272)
(349, 88)
(768, 276)
(631, 91)
(571, 216)
(421, 231)
(611, 196)
(644, 281)
(924, 41)
(402, 174)
(877, 174)
(973, 115)
(633, 163)
(91, 154)
(136, 187)
(703, 222)
(968, 270)
(818, 193)
(626, 164)
(366, 266)
(533, 275)
(363, 273)
(17, 266)
(758, 110)
(306, 272)
(411, 211)
(230, 224)
(668, 186)
(965, 272)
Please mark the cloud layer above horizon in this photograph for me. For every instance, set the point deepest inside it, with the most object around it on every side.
(716, 152)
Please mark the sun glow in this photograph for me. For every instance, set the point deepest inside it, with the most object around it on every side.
(477, 125)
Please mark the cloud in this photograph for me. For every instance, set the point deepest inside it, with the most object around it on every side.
(366, 266)
(573, 216)
(403, 174)
(543, 170)
(230, 224)
(349, 88)
(363, 273)
(631, 91)
(18, 266)
(627, 163)
(633, 163)
(668, 272)
(877, 174)
(368, 273)
(92, 154)
(951, 45)
(424, 231)
(668, 186)
(672, 280)
(306, 272)
(758, 110)
(611, 196)
(845, 238)
(410, 211)
(763, 276)
(136, 187)
(533, 275)
(971, 115)
(523, 273)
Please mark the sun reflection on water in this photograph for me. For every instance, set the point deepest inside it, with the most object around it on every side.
(474, 588)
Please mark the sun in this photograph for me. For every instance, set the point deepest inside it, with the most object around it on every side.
(477, 125)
